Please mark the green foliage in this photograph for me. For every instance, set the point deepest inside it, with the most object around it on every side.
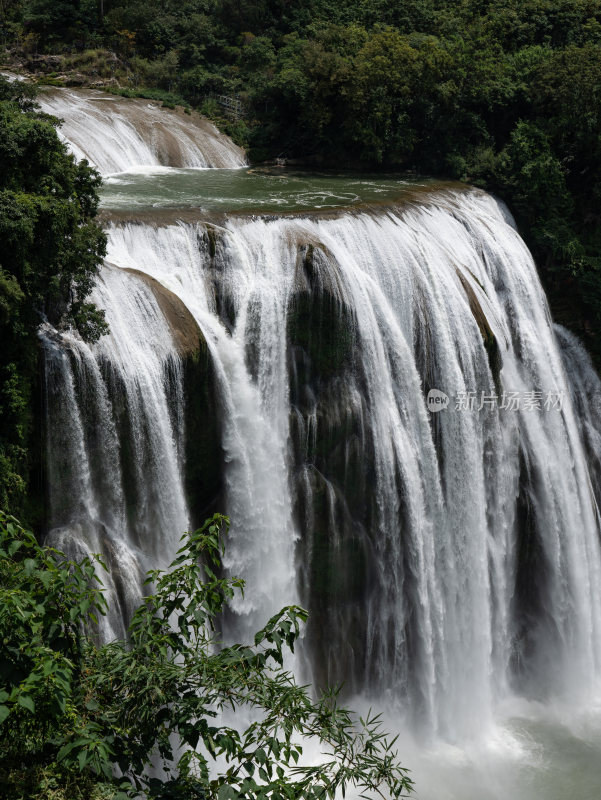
(44, 602)
(50, 248)
(71, 711)
(52, 19)
(168, 99)
(236, 129)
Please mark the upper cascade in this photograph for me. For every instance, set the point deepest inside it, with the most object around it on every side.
(117, 134)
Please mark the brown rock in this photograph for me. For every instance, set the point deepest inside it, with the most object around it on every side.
(184, 328)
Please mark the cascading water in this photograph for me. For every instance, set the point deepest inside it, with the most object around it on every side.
(250, 367)
(117, 134)
(478, 533)
(113, 423)
(448, 554)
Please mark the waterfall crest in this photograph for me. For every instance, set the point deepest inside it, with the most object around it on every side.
(118, 134)
(448, 559)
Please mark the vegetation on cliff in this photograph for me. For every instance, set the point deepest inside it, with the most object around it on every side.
(50, 249)
(73, 715)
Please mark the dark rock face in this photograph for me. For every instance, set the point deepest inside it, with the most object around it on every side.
(43, 63)
(333, 457)
(203, 453)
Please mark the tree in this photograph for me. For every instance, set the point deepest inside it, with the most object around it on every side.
(50, 251)
(52, 19)
(71, 711)
(388, 71)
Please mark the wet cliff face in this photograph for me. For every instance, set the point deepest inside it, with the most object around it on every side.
(332, 465)
(116, 134)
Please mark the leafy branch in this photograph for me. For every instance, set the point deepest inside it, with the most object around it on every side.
(164, 695)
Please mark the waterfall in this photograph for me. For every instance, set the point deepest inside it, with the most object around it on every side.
(117, 134)
(448, 559)
(249, 357)
(114, 426)
(585, 392)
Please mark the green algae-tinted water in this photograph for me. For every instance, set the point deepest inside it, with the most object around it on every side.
(245, 190)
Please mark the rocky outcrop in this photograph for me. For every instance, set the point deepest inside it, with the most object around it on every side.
(203, 452)
(187, 336)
